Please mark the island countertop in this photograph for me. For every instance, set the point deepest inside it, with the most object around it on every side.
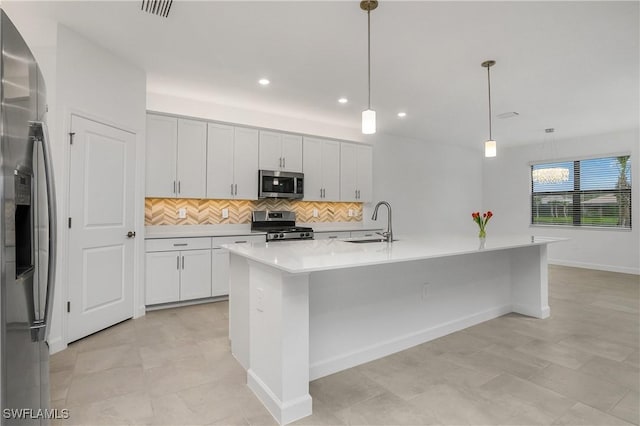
(321, 255)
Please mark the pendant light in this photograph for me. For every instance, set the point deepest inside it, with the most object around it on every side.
(490, 145)
(368, 115)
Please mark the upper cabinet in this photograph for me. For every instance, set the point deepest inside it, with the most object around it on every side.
(321, 163)
(232, 158)
(176, 157)
(280, 151)
(356, 175)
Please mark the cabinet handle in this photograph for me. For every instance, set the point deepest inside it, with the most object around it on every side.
(181, 244)
(333, 236)
(182, 262)
(178, 187)
(174, 187)
(178, 262)
(231, 189)
(280, 162)
(236, 191)
(284, 162)
(241, 241)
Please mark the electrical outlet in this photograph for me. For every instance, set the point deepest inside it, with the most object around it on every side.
(315, 212)
(350, 212)
(259, 300)
(182, 213)
(225, 213)
(425, 291)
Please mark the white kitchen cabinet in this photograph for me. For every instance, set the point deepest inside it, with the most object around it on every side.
(356, 174)
(195, 274)
(176, 157)
(161, 156)
(331, 235)
(192, 159)
(245, 164)
(321, 163)
(220, 271)
(280, 151)
(232, 162)
(220, 261)
(177, 269)
(162, 277)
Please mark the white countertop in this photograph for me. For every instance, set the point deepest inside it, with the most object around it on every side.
(191, 231)
(321, 255)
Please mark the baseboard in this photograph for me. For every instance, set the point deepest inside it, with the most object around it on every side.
(596, 266)
(186, 303)
(382, 349)
(56, 345)
(535, 312)
(284, 413)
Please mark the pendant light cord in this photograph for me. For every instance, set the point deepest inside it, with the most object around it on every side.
(489, 84)
(369, 53)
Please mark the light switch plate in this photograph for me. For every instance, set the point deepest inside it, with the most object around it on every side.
(225, 213)
(182, 213)
(350, 212)
(315, 212)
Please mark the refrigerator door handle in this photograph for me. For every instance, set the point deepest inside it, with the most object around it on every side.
(42, 136)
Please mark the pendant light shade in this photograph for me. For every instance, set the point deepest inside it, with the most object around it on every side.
(368, 122)
(490, 146)
(368, 115)
(490, 149)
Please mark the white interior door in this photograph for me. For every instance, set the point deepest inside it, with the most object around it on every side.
(101, 207)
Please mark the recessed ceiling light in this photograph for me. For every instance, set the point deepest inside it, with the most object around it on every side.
(402, 114)
(343, 100)
(264, 81)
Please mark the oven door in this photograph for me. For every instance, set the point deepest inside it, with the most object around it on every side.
(275, 184)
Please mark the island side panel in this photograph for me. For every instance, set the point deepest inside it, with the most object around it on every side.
(239, 308)
(361, 314)
(279, 341)
(530, 281)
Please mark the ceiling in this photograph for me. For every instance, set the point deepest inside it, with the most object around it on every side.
(569, 65)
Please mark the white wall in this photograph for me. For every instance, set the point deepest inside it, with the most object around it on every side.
(433, 187)
(92, 82)
(218, 112)
(506, 192)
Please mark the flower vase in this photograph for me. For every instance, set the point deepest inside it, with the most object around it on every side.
(483, 234)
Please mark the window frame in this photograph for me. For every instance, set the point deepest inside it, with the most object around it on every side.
(576, 193)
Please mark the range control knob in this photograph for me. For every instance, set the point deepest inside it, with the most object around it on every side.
(307, 235)
(281, 235)
(302, 235)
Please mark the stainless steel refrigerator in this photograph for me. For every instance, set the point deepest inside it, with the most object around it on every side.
(27, 233)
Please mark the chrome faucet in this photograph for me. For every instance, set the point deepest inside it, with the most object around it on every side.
(388, 234)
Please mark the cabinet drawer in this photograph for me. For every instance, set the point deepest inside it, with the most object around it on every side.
(365, 234)
(171, 244)
(331, 235)
(218, 241)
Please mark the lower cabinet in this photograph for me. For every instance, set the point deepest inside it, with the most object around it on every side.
(181, 269)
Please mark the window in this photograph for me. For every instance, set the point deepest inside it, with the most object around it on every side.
(594, 192)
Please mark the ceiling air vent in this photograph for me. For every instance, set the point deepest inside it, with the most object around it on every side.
(157, 7)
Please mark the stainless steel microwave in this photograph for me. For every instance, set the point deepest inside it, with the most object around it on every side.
(277, 184)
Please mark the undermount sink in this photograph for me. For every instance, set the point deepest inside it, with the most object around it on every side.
(375, 240)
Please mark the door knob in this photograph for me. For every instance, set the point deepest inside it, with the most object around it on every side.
(131, 234)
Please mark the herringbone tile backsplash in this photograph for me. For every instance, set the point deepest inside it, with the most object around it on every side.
(164, 211)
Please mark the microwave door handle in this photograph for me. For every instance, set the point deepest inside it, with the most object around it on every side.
(43, 137)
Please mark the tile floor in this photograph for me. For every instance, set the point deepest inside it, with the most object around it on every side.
(581, 366)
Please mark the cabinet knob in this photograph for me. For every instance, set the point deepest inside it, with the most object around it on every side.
(131, 234)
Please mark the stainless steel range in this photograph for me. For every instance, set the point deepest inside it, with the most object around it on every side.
(279, 225)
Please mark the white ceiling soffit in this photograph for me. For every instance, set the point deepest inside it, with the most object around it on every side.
(569, 65)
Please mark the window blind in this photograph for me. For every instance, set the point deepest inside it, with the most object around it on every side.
(594, 192)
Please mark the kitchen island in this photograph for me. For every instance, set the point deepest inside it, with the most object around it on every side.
(302, 310)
